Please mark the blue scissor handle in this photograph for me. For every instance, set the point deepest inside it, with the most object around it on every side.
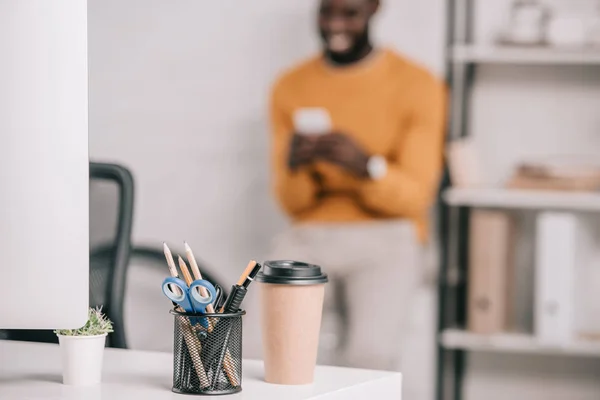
(176, 290)
(189, 298)
(199, 302)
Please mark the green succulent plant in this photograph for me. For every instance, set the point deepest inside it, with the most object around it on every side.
(97, 324)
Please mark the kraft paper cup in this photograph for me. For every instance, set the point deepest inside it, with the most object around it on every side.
(291, 299)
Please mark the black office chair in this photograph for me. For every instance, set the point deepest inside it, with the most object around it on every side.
(111, 218)
(111, 221)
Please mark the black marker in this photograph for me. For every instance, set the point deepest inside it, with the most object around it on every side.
(239, 290)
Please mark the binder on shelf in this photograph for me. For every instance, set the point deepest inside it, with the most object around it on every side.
(555, 260)
(586, 281)
(491, 271)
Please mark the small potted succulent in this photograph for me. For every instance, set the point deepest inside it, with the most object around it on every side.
(82, 349)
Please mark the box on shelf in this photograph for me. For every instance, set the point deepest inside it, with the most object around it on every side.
(557, 174)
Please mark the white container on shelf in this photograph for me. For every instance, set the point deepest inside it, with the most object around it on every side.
(464, 164)
(567, 31)
(526, 25)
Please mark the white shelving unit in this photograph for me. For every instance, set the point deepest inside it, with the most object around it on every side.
(516, 343)
(525, 55)
(465, 57)
(523, 199)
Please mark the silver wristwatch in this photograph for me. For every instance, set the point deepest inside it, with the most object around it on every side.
(377, 167)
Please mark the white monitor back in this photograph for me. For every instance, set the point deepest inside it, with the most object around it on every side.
(44, 248)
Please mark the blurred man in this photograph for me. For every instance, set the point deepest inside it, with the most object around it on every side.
(359, 195)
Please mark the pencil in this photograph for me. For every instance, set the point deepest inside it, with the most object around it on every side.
(197, 275)
(170, 261)
(228, 365)
(192, 341)
(194, 348)
(185, 271)
(172, 268)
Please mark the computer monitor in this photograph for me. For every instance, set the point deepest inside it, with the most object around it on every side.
(44, 249)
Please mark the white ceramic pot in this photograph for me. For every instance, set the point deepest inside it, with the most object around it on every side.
(81, 358)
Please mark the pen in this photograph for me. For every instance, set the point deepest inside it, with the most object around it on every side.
(232, 305)
(217, 349)
(239, 290)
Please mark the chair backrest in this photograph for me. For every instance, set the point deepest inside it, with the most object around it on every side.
(111, 219)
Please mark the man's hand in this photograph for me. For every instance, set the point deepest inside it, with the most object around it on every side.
(342, 150)
(302, 151)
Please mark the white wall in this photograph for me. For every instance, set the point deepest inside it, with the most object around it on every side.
(178, 93)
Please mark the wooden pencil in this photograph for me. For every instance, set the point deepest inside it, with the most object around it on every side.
(191, 340)
(197, 275)
(172, 268)
(185, 271)
(170, 261)
(195, 349)
(228, 365)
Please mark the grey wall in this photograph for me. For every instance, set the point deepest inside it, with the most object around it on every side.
(178, 93)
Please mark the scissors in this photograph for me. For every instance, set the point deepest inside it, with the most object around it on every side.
(189, 298)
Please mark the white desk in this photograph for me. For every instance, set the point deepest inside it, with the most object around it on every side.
(32, 371)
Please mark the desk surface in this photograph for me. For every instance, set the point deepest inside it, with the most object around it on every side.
(32, 371)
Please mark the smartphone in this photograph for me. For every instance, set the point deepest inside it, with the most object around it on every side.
(312, 121)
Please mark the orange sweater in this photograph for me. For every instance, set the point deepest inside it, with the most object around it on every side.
(391, 107)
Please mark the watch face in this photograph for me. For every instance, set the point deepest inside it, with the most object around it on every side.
(377, 167)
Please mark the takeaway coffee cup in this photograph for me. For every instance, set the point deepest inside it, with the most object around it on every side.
(292, 295)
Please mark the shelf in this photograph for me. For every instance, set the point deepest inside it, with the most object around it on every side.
(523, 199)
(525, 55)
(515, 343)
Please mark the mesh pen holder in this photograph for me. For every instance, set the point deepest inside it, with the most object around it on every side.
(207, 353)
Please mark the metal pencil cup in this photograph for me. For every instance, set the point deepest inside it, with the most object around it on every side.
(207, 353)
